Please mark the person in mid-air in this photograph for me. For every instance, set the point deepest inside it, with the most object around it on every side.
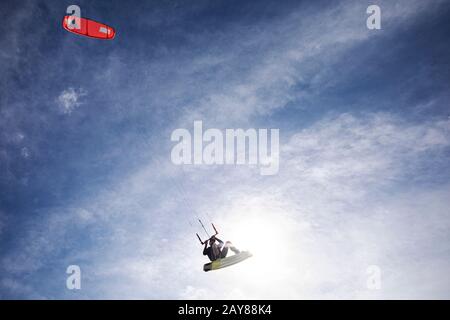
(218, 250)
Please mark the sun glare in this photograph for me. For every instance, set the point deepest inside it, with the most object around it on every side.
(265, 237)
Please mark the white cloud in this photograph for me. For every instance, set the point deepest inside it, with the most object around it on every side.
(362, 150)
(69, 99)
(314, 228)
(273, 59)
(334, 208)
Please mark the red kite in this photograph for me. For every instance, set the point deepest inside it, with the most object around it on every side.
(88, 28)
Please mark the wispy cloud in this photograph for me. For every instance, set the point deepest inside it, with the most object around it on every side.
(288, 59)
(69, 99)
(330, 196)
(373, 148)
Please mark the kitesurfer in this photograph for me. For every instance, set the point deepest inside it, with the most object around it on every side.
(218, 250)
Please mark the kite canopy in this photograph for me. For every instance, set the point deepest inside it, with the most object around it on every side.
(226, 262)
(88, 28)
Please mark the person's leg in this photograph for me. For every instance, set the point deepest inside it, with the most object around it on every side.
(228, 244)
(224, 252)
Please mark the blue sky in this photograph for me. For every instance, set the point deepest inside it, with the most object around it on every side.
(85, 171)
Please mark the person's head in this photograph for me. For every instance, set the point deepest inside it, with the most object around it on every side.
(212, 240)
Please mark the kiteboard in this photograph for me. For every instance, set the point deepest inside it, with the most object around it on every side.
(226, 262)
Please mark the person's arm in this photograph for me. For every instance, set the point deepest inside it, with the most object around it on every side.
(205, 251)
(219, 240)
